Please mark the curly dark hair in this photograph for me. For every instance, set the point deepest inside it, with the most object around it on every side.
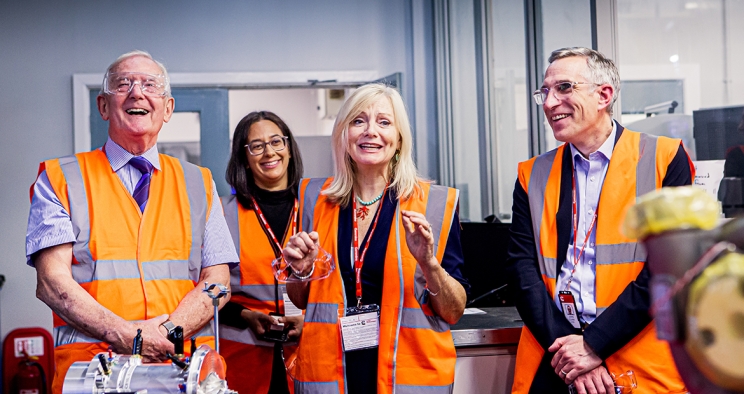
(239, 174)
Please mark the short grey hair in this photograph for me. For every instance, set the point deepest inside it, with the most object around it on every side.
(136, 53)
(602, 70)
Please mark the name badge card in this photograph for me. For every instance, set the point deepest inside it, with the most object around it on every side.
(360, 328)
(568, 303)
(289, 308)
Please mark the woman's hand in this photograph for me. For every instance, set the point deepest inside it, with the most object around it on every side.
(295, 324)
(301, 251)
(447, 295)
(419, 238)
(258, 322)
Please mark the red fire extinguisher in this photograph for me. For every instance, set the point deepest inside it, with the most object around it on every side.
(30, 378)
(28, 361)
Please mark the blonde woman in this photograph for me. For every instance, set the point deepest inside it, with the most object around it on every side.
(380, 322)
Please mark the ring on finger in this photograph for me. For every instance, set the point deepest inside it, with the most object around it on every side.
(563, 372)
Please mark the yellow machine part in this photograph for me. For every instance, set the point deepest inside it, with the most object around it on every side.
(715, 322)
(671, 208)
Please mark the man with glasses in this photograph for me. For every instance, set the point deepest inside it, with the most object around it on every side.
(123, 238)
(567, 252)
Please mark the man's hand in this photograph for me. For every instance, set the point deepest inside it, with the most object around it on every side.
(572, 357)
(596, 381)
(155, 344)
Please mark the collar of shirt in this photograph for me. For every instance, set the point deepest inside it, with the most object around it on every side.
(118, 157)
(604, 150)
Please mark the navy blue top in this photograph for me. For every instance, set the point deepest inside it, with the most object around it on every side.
(361, 365)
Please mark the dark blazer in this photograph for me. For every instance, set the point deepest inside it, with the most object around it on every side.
(611, 330)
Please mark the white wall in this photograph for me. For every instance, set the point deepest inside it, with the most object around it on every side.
(44, 42)
(650, 32)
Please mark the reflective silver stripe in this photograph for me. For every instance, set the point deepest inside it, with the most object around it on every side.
(401, 287)
(65, 335)
(129, 269)
(245, 336)
(316, 387)
(79, 216)
(257, 292)
(620, 253)
(536, 196)
(312, 192)
(198, 209)
(165, 269)
(646, 169)
(436, 205)
(550, 262)
(109, 269)
(416, 318)
(410, 389)
(321, 313)
(207, 330)
(230, 207)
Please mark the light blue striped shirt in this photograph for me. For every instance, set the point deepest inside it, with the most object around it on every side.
(590, 175)
(49, 223)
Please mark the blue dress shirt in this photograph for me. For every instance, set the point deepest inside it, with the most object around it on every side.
(589, 175)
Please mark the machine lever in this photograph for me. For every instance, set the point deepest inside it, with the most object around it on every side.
(176, 361)
(176, 338)
(137, 343)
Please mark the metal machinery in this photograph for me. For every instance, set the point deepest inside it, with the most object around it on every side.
(697, 284)
(202, 373)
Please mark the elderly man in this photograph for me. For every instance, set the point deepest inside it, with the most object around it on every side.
(581, 286)
(124, 238)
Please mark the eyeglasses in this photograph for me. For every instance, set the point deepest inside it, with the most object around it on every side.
(123, 83)
(277, 143)
(560, 91)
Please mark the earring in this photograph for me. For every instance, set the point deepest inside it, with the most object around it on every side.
(397, 156)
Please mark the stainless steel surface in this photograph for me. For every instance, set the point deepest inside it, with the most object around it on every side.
(498, 326)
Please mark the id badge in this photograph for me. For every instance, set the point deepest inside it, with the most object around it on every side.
(360, 328)
(568, 303)
(289, 308)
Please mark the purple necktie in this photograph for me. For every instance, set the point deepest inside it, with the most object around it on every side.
(142, 190)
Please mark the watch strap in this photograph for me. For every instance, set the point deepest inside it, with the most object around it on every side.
(169, 326)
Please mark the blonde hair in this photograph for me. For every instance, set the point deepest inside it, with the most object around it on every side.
(404, 177)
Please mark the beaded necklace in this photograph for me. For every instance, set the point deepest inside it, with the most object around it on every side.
(363, 211)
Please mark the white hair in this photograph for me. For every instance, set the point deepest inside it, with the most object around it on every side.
(136, 53)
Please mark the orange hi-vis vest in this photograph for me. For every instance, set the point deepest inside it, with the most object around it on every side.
(124, 258)
(252, 286)
(638, 166)
(416, 352)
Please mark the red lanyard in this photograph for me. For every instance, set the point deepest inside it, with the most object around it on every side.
(576, 231)
(359, 260)
(266, 226)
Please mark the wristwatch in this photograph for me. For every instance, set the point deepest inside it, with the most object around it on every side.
(169, 326)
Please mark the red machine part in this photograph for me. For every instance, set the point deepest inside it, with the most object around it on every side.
(28, 361)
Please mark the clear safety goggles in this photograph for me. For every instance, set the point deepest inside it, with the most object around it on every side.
(123, 83)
